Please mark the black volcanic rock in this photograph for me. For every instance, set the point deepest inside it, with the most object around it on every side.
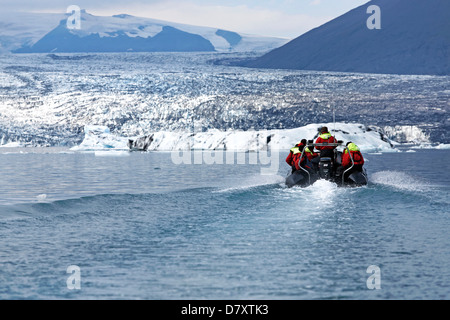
(414, 39)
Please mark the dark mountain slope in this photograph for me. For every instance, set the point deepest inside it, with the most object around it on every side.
(414, 39)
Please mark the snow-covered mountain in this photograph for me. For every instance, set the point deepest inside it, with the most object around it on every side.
(414, 39)
(45, 33)
(18, 29)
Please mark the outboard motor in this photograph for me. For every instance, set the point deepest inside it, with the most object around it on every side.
(326, 168)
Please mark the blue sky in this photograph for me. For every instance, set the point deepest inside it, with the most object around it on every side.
(282, 18)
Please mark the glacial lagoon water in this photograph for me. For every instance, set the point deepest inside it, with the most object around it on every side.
(139, 226)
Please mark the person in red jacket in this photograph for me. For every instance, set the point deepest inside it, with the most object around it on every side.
(304, 161)
(326, 137)
(294, 155)
(355, 153)
(313, 157)
(309, 151)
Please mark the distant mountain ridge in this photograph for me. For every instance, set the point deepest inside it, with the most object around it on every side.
(120, 33)
(171, 39)
(414, 39)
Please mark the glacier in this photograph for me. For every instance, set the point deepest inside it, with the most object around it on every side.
(48, 99)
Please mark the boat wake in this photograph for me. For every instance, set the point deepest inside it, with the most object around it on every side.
(254, 182)
(322, 196)
(399, 180)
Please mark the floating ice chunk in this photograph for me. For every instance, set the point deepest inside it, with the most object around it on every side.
(443, 146)
(41, 197)
(12, 145)
(99, 138)
(440, 146)
(112, 153)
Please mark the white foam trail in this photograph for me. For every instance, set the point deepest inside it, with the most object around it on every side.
(323, 193)
(255, 181)
(322, 196)
(398, 180)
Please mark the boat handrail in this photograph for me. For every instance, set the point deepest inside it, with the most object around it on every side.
(324, 144)
(300, 164)
(353, 164)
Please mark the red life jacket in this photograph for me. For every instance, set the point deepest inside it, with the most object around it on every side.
(357, 158)
(310, 154)
(292, 158)
(297, 160)
(326, 138)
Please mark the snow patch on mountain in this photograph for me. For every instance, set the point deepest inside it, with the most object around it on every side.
(18, 29)
(21, 32)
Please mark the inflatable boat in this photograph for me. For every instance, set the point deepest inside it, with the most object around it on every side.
(327, 168)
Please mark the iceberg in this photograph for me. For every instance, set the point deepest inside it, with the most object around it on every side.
(440, 146)
(407, 134)
(12, 145)
(443, 146)
(98, 138)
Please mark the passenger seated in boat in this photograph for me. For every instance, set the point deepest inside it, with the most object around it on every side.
(355, 154)
(294, 155)
(313, 157)
(326, 137)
